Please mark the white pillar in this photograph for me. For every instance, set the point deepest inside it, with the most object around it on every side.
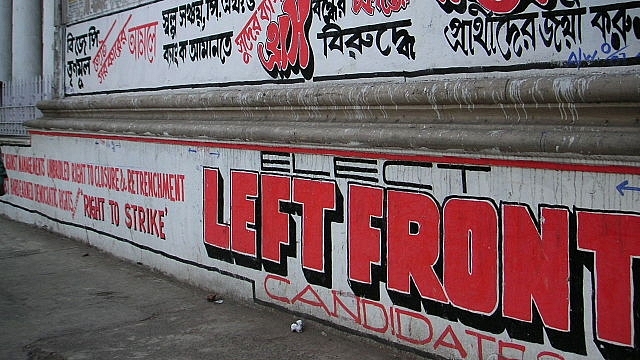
(27, 39)
(5, 40)
(48, 36)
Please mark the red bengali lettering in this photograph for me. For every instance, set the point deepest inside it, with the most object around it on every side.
(287, 43)
(498, 6)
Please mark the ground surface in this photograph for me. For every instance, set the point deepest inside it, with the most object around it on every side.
(61, 299)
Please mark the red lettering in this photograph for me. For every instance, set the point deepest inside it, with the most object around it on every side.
(11, 161)
(504, 346)
(145, 220)
(299, 11)
(454, 344)
(141, 219)
(364, 241)
(498, 6)
(314, 301)
(280, 280)
(470, 250)
(160, 226)
(94, 207)
(65, 200)
(275, 223)
(244, 191)
(548, 354)
(536, 265)
(356, 316)
(535, 253)
(480, 337)
(365, 5)
(382, 328)
(287, 42)
(128, 219)
(386, 7)
(413, 244)
(273, 46)
(58, 169)
(31, 165)
(215, 233)
(613, 238)
(316, 197)
(401, 314)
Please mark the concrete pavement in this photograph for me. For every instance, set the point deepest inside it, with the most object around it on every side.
(62, 299)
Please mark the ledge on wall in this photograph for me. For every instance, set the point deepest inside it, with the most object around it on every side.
(15, 140)
(591, 114)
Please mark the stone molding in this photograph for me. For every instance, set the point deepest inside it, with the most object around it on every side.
(587, 114)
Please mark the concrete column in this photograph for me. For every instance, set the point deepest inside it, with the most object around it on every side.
(5, 40)
(48, 36)
(27, 39)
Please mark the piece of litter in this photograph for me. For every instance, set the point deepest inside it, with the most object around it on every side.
(297, 326)
(214, 299)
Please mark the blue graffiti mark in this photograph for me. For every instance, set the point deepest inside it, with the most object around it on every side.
(618, 54)
(623, 186)
(606, 52)
(108, 144)
(114, 145)
(212, 153)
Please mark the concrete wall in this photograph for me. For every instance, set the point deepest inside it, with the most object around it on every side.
(461, 178)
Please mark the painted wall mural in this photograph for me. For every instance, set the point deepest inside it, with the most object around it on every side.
(176, 43)
(467, 258)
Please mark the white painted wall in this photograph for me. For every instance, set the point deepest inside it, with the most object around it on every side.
(95, 195)
(161, 45)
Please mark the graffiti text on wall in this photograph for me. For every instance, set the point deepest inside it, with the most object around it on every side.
(490, 264)
(141, 40)
(217, 42)
(77, 46)
(462, 257)
(147, 184)
(560, 29)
